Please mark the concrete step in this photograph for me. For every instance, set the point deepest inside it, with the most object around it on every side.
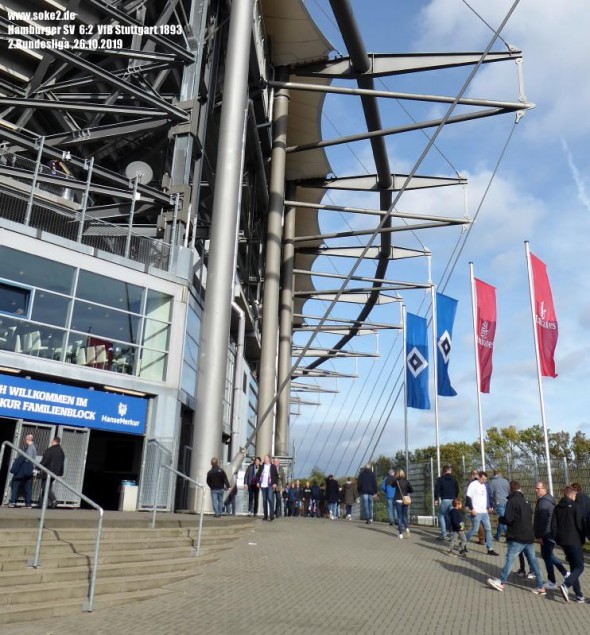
(44, 575)
(65, 560)
(38, 610)
(27, 594)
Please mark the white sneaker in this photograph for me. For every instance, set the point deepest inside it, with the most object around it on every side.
(550, 585)
(495, 584)
(401, 536)
(408, 530)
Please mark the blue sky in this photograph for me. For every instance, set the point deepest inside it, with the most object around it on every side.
(540, 193)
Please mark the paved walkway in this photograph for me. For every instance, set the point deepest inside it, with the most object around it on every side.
(310, 576)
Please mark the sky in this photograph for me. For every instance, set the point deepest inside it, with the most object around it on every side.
(540, 192)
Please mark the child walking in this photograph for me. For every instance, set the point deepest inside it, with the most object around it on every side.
(457, 528)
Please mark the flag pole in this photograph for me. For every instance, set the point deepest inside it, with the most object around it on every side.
(539, 378)
(435, 374)
(405, 374)
(477, 369)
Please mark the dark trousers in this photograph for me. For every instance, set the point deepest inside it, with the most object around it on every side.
(278, 503)
(22, 485)
(51, 500)
(551, 560)
(253, 499)
(575, 558)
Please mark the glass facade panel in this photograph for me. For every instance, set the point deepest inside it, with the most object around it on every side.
(50, 308)
(14, 300)
(109, 291)
(105, 322)
(34, 271)
(156, 335)
(159, 306)
(153, 364)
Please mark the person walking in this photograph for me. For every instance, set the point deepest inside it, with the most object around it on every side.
(446, 489)
(500, 489)
(279, 489)
(22, 478)
(332, 496)
(403, 489)
(252, 487)
(542, 517)
(348, 497)
(218, 483)
(520, 537)
(388, 488)
(54, 460)
(480, 505)
(457, 528)
(267, 479)
(366, 484)
(568, 531)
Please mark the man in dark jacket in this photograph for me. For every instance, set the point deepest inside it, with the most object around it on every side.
(567, 529)
(583, 502)
(217, 481)
(366, 485)
(446, 490)
(54, 460)
(542, 527)
(520, 536)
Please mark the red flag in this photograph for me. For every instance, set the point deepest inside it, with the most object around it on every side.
(485, 296)
(545, 318)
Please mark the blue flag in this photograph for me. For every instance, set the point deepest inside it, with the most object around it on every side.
(416, 362)
(445, 317)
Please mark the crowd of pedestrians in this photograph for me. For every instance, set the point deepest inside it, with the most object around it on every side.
(564, 523)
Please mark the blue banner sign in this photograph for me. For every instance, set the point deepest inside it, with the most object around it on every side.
(66, 405)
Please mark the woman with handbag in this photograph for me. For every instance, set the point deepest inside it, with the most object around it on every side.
(403, 489)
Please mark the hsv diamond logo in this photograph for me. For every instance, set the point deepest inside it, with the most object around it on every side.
(416, 362)
(122, 409)
(444, 346)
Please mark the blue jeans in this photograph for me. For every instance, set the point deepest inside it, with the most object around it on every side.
(268, 501)
(368, 506)
(217, 500)
(551, 560)
(575, 558)
(500, 509)
(333, 507)
(402, 516)
(444, 515)
(483, 519)
(514, 548)
(391, 510)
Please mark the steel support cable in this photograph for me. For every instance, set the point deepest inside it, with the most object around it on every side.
(372, 238)
(484, 21)
(376, 405)
(386, 219)
(459, 245)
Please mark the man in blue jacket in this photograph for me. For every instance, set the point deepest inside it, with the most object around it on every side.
(388, 488)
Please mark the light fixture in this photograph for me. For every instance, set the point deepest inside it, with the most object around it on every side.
(125, 391)
(6, 369)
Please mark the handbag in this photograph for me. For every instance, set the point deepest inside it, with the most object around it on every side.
(406, 500)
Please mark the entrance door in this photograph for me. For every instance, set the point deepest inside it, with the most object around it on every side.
(74, 442)
(42, 435)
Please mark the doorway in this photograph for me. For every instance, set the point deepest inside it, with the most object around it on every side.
(112, 458)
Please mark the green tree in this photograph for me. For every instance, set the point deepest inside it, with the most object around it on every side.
(580, 446)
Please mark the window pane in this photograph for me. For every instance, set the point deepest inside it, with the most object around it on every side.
(159, 306)
(156, 335)
(14, 300)
(109, 291)
(35, 271)
(153, 365)
(105, 322)
(50, 308)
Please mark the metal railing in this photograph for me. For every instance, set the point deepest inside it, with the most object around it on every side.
(35, 563)
(190, 480)
(60, 209)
